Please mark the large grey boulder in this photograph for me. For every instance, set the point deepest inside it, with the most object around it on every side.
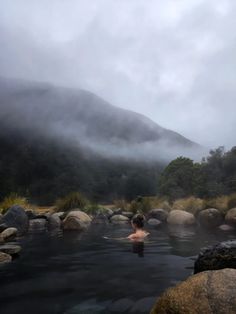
(127, 214)
(16, 217)
(180, 217)
(8, 233)
(230, 217)
(221, 255)
(5, 258)
(210, 292)
(210, 218)
(54, 221)
(158, 213)
(119, 219)
(76, 220)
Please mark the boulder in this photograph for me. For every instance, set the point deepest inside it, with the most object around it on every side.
(1, 215)
(208, 292)
(39, 224)
(100, 219)
(119, 219)
(76, 220)
(16, 217)
(159, 214)
(230, 217)
(127, 214)
(154, 222)
(106, 211)
(225, 227)
(8, 233)
(5, 258)
(210, 218)
(221, 255)
(117, 211)
(10, 249)
(54, 221)
(31, 214)
(180, 217)
(3, 226)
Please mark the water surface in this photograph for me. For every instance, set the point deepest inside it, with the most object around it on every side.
(87, 274)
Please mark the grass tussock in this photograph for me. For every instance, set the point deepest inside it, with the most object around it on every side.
(13, 199)
(191, 204)
(220, 203)
(72, 201)
(159, 202)
(122, 204)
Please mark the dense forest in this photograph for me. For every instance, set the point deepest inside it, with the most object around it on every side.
(44, 169)
(214, 176)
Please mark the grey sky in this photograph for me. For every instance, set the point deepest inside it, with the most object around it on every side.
(172, 60)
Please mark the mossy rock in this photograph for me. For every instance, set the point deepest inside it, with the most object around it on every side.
(210, 292)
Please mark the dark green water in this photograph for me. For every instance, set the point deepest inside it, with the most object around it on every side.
(81, 274)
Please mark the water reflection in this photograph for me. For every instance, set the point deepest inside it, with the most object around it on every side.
(138, 248)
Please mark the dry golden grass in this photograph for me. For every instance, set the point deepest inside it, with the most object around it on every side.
(190, 204)
(14, 199)
(159, 202)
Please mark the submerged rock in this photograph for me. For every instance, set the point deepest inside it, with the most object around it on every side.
(225, 227)
(120, 306)
(5, 258)
(230, 217)
(76, 220)
(210, 218)
(8, 233)
(10, 249)
(222, 255)
(208, 292)
(159, 214)
(180, 217)
(16, 217)
(154, 222)
(119, 219)
(39, 224)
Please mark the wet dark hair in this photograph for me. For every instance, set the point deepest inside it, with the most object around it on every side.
(138, 221)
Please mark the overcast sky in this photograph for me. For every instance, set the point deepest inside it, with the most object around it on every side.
(172, 60)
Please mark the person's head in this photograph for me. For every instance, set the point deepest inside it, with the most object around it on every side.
(137, 222)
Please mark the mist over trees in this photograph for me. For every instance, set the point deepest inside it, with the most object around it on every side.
(214, 176)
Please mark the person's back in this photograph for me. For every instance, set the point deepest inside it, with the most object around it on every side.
(139, 234)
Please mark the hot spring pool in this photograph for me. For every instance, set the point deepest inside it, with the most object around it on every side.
(85, 273)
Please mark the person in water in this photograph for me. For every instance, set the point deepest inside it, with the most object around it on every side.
(139, 233)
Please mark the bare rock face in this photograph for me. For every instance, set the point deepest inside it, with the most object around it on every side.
(159, 214)
(8, 233)
(230, 217)
(119, 219)
(180, 217)
(210, 292)
(210, 218)
(76, 220)
(17, 218)
(5, 258)
(219, 256)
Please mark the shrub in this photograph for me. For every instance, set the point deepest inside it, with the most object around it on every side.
(11, 200)
(190, 204)
(122, 204)
(140, 205)
(220, 203)
(91, 209)
(71, 201)
(231, 201)
(160, 202)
